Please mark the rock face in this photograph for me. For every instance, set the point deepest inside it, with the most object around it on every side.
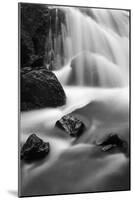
(36, 22)
(70, 124)
(34, 148)
(40, 89)
(111, 141)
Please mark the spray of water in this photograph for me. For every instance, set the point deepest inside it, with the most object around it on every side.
(98, 46)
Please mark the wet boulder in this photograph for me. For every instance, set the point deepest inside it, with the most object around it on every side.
(41, 89)
(34, 148)
(111, 141)
(71, 125)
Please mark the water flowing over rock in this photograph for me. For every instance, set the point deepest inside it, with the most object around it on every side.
(88, 51)
(111, 141)
(106, 42)
(40, 89)
(95, 70)
(53, 36)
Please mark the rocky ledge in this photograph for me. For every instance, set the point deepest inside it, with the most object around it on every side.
(41, 89)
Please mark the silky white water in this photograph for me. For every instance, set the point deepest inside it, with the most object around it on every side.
(95, 78)
(103, 42)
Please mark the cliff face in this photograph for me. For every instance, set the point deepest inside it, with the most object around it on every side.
(39, 26)
(37, 21)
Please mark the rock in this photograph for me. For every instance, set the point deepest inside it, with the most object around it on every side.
(25, 70)
(70, 124)
(38, 63)
(111, 141)
(36, 22)
(41, 89)
(34, 148)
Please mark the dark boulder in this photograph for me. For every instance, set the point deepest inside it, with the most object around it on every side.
(34, 149)
(70, 124)
(111, 141)
(41, 89)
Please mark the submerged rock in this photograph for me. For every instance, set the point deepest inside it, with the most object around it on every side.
(34, 148)
(84, 64)
(111, 141)
(40, 89)
(71, 125)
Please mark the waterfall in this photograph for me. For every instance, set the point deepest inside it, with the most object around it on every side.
(96, 47)
(92, 64)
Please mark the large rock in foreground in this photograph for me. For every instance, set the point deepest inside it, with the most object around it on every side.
(34, 149)
(41, 89)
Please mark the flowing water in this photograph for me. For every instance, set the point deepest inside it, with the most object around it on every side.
(95, 78)
(103, 37)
